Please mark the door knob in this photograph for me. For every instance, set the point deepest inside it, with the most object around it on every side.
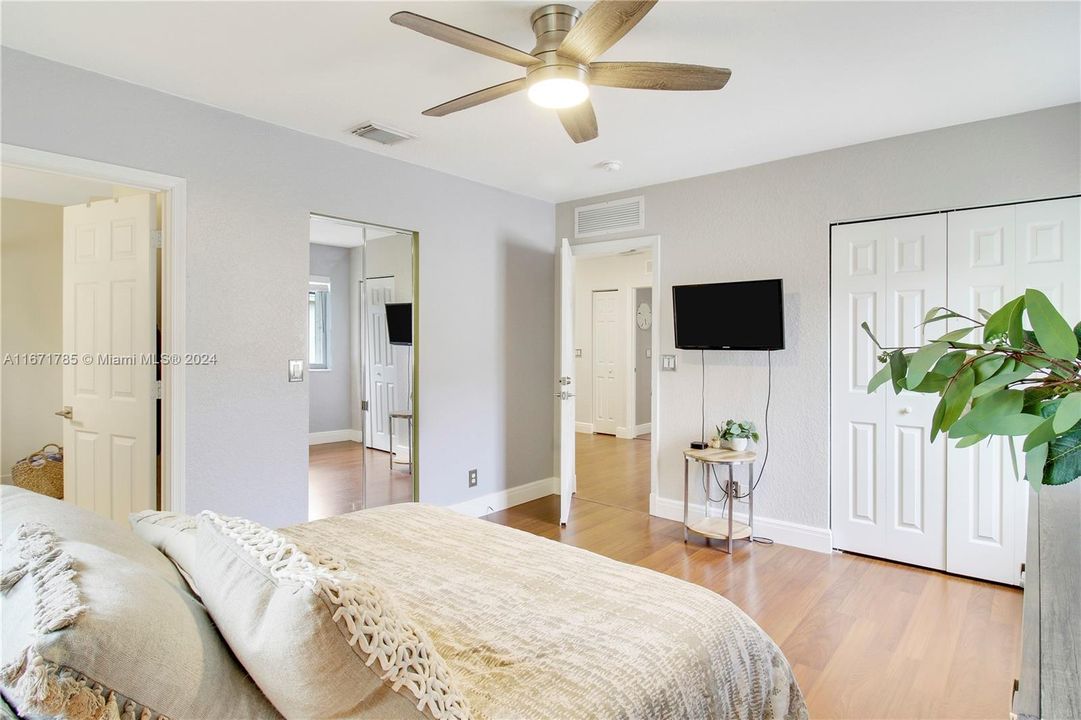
(65, 413)
(906, 410)
(564, 395)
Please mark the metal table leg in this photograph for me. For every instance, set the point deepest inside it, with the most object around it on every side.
(686, 489)
(750, 500)
(731, 507)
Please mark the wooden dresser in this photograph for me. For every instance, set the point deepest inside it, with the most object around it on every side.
(1050, 682)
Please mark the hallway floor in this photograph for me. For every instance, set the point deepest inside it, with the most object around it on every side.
(612, 470)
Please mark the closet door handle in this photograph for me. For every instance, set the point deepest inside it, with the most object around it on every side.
(905, 411)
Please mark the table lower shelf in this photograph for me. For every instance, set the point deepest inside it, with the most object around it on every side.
(717, 528)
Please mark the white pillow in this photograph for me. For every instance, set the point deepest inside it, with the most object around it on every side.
(171, 533)
(320, 641)
(98, 624)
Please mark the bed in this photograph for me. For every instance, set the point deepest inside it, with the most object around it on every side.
(533, 628)
(521, 626)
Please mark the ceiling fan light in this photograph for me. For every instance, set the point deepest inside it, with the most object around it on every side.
(558, 92)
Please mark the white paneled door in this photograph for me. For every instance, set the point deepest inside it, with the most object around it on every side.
(995, 254)
(888, 492)
(857, 454)
(565, 389)
(382, 368)
(915, 260)
(608, 361)
(109, 306)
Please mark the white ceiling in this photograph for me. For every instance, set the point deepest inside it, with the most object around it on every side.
(43, 187)
(807, 76)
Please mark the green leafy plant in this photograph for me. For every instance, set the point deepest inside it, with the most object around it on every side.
(737, 429)
(1013, 382)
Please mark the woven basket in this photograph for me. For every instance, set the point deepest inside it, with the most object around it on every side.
(40, 473)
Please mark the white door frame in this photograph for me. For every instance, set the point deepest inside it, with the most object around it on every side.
(174, 192)
(615, 247)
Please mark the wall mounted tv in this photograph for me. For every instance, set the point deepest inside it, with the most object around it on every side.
(400, 323)
(729, 316)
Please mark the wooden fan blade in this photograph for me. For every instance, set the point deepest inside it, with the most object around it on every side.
(463, 38)
(602, 25)
(579, 121)
(658, 76)
(476, 98)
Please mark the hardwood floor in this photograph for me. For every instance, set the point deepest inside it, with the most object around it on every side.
(612, 470)
(334, 479)
(866, 638)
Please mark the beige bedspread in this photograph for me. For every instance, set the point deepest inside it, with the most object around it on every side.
(532, 628)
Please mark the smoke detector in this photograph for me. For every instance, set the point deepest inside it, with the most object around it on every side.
(611, 165)
(380, 133)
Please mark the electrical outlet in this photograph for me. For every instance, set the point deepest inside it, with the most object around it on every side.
(473, 477)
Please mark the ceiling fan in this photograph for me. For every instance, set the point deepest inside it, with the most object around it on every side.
(560, 68)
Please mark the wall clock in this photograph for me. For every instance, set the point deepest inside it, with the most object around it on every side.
(644, 316)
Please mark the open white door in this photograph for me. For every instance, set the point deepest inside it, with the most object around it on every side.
(565, 383)
(110, 441)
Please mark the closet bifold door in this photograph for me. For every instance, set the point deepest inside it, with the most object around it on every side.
(888, 480)
(995, 254)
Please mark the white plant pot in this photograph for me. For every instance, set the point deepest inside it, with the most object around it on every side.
(736, 444)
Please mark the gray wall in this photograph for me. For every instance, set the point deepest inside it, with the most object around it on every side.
(328, 395)
(486, 288)
(773, 220)
(31, 255)
(642, 364)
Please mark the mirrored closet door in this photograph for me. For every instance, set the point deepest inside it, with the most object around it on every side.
(360, 340)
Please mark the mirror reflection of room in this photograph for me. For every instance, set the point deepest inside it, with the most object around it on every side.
(360, 363)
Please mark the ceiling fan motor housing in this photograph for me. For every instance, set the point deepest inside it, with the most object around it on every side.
(551, 23)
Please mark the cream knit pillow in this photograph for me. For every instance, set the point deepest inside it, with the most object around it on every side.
(320, 641)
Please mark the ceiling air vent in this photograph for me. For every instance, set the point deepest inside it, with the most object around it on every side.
(380, 134)
(614, 216)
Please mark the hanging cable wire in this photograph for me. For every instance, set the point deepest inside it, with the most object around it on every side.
(703, 396)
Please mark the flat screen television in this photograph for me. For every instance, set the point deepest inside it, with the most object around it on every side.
(730, 316)
(400, 323)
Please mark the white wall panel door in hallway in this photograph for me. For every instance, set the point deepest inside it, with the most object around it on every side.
(996, 254)
(109, 311)
(608, 361)
(888, 492)
(382, 369)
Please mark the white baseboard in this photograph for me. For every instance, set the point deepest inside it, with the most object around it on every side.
(625, 433)
(643, 429)
(503, 499)
(780, 531)
(583, 427)
(5, 479)
(331, 436)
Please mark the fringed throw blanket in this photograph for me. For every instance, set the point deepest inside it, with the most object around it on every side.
(531, 628)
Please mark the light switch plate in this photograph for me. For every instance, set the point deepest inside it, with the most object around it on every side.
(296, 371)
(668, 363)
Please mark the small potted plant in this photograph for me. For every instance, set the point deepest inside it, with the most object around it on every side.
(735, 434)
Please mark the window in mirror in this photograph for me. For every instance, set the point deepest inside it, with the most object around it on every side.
(319, 324)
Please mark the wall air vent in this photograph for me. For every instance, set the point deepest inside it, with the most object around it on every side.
(614, 216)
(380, 134)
